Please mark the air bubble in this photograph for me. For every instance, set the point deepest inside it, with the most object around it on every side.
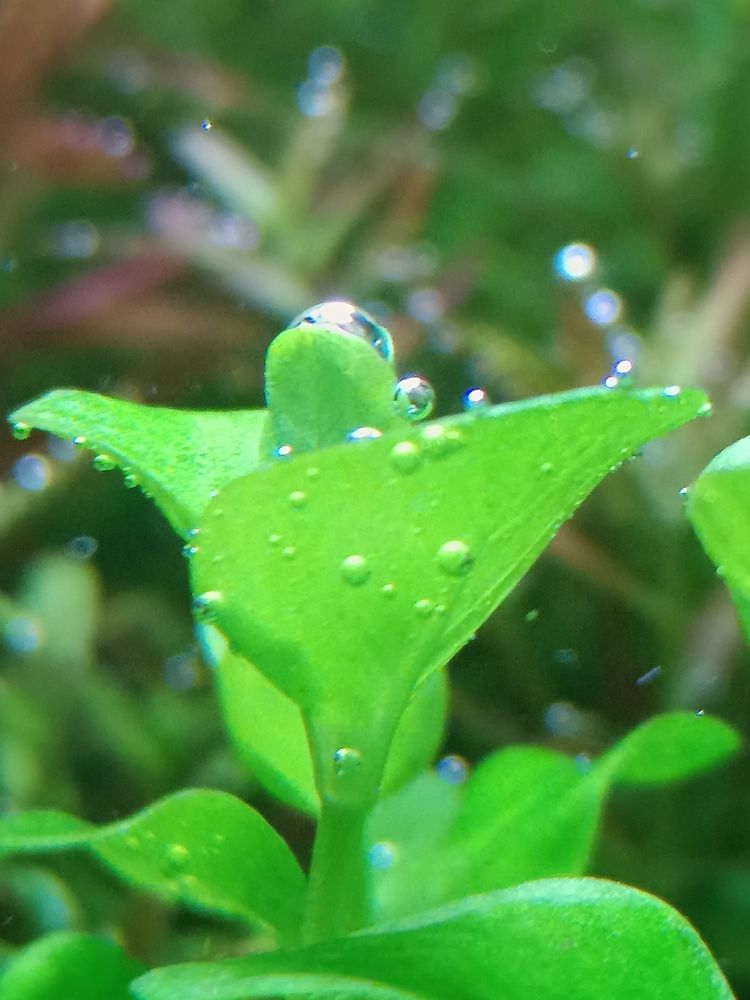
(346, 762)
(103, 463)
(414, 398)
(298, 499)
(474, 400)
(355, 570)
(405, 456)
(364, 434)
(346, 318)
(20, 430)
(274, 539)
(205, 604)
(455, 558)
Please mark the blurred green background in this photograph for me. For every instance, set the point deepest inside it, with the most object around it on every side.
(528, 194)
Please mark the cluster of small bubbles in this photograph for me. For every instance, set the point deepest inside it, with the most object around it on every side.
(475, 400)
(414, 397)
(575, 262)
(382, 855)
(453, 770)
(298, 499)
(425, 305)
(389, 589)
(60, 449)
(115, 137)
(82, 547)
(20, 430)
(346, 318)
(32, 472)
(22, 634)
(319, 94)
(561, 719)
(76, 240)
(103, 463)
(283, 451)
(364, 434)
(346, 762)
(205, 604)
(603, 307)
(649, 676)
(181, 671)
(406, 456)
(424, 607)
(455, 557)
(672, 391)
(355, 570)
(454, 78)
(583, 763)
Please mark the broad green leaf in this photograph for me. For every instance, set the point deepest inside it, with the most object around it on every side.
(203, 849)
(530, 813)
(349, 573)
(269, 734)
(719, 508)
(177, 456)
(321, 385)
(581, 938)
(70, 966)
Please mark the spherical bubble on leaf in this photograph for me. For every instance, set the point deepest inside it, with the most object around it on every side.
(414, 397)
(346, 318)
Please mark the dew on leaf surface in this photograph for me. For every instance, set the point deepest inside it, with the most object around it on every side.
(355, 570)
(346, 761)
(424, 607)
(298, 499)
(414, 398)
(671, 391)
(103, 463)
(348, 319)
(389, 589)
(452, 769)
(382, 855)
(455, 557)
(19, 430)
(178, 855)
(283, 451)
(405, 456)
(364, 434)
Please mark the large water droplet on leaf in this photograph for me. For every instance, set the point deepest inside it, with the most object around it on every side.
(405, 456)
(355, 570)
(346, 318)
(346, 762)
(455, 558)
(414, 397)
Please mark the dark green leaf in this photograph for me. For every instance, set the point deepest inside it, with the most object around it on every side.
(580, 938)
(70, 966)
(204, 849)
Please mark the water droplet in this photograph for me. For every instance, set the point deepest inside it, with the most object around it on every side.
(684, 492)
(205, 604)
(389, 589)
(32, 472)
(190, 550)
(546, 468)
(382, 855)
(424, 607)
(289, 552)
(561, 719)
(575, 262)
(346, 318)
(298, 499)
(364, 434)
(104, 463)
(414, 397)
(706, 410)
(207, 124)
(20, 430)
(700, 712)
(405, 456)
(623, 367)
(313, 472)
(452, 769)
(346, 762)
(475, 400)
(671, 391)
(455, 558)
(80, 441)
(633, 153)
(603, 307)
(355, 570)
(436, 441)
(178, 855)
(611, 382)
(130, 480)
(274, 539)
(283, 451)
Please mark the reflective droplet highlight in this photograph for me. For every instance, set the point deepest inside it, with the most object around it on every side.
(298, 499)
(414, 397)
(575, 262)
(364, 434)
(346, 318)
(103, 463)
(19, 430)
(355, 570)
(178, 855)
(424, 607)
(475, 400)
(346, 762)
(671, 391)
(389, 589)
(406, 456)
(453, 770)
(603, 307)
(455, 558)
(283, 451)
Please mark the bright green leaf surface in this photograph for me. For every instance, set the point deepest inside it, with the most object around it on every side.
(204, 849)
(69, 966)
(178, 456)
(269, 734)
(348, 640)
(579, 938)
(719, 508)
(529, 813)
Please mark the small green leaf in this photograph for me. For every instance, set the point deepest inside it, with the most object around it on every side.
(349, 573)
(581, 938)
(177, 456)
(719, 508)
(70, 966)
(204, 849)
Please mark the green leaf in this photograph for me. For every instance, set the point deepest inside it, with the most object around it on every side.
(719, 508)
(582, 938)
(70, 965)
(203, 849)
(269, 734)
(349, 573)
(177, 456)
(530, 813)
